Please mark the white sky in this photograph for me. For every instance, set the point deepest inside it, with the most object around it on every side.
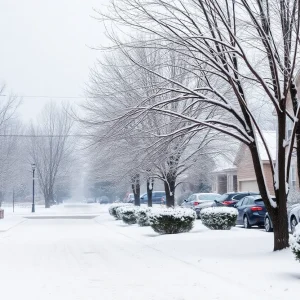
(45, 48)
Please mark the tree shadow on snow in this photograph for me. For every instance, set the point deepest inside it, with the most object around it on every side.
(152, 234)
(293, 275)
(197, 231)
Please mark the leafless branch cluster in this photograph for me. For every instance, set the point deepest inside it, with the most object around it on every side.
(207, 63)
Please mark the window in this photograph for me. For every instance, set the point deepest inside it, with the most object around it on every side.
(240, 203)
(259, 202)
(293, 177)
(162, 194)
(234, 183)
(246, 201)
(208, 197)
(289, 128)
(190, 198)
(223, 197)
(239, 196)
(250, 201)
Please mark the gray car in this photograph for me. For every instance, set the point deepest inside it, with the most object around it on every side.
(199, 201)
(293, 212)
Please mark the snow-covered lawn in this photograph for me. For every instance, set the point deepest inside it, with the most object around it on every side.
(100, 258)
(242, 258)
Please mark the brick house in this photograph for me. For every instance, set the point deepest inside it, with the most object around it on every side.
(245, 170)
(240, 175)
(242, 170)
(225, 180)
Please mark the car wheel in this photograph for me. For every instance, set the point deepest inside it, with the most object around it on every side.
(293, 224)
(246, 222)
(268, 227)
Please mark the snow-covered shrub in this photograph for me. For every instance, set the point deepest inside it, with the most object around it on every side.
(172, 220)
(219, 217)
(129, 214)
(295, 242)
(143, 216)
(113, 209)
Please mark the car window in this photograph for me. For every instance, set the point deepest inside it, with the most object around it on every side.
(160, 194)
(238, 196)
(222, 197)
(208, 197)
(259, 202)
(245, 201)
(251, 201)
(240, 203)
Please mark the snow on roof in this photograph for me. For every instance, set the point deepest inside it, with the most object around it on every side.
(270, 139)
(223, 163)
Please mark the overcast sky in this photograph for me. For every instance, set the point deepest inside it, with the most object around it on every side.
(45, 48)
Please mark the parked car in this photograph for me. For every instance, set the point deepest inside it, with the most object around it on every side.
(293, 212)
(230, 199)
(104, 200)
(90, 200)
(158, 197)
(129, 198)
(251, 211)
(199, 201)
(206, 204)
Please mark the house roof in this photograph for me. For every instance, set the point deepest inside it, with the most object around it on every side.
(223, 164)
(226, 164)
(270, 139)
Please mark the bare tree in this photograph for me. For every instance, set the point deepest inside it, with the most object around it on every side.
(51, 147)
(118, 85)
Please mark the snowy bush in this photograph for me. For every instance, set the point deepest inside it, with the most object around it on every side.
(219, 217)
(295, 242)
(113, 209)
(129, 214)
(172, 220)
(143, 216)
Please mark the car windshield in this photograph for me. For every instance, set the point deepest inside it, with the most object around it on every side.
(208, 197)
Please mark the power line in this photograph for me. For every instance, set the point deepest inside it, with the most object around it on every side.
(71, 135)
(52, 97)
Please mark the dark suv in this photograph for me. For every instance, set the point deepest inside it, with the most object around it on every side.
(157, 197)
(230, 199)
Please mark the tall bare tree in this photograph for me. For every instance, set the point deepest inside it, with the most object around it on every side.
(51, 147)
(120, 84)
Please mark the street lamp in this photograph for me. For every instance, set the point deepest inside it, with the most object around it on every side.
(33, 204)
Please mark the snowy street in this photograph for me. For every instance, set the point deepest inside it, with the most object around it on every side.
(80, 256)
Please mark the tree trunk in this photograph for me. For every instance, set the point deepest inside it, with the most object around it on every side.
(47, 201)
(280, 227)
(279, 214)
(136, 189)
(170, 191)
(298, 150)
(150, 184)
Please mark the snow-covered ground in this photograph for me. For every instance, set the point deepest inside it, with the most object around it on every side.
(100, 258)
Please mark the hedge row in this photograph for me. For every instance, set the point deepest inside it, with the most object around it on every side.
(174, 220)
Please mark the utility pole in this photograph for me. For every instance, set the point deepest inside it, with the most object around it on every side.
(33, 204)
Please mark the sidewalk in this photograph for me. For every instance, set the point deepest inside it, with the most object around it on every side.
(9, 222)
(67, 211)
